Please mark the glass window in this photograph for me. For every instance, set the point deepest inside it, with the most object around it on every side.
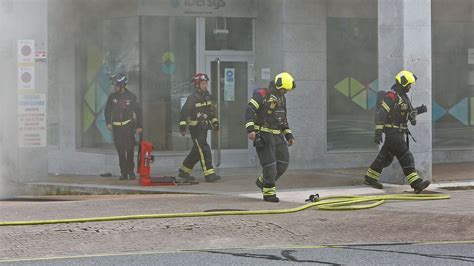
(352, 73)
(229, 34)
(168, 54)
(453, 73)
(158, 54)
(110, 48)
(233, 97)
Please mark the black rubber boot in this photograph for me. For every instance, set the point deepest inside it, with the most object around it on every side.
(419, 185)
(123, 177)
(259, 183)
(271, 198)
(212, 178)
(132, 176)
(187, 177)
(372, 182)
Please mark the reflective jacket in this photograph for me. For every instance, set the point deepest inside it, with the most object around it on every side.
(120, 109)
(266, 111)
(394, 111)
(198, 110)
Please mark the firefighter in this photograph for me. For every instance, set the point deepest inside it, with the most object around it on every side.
(267, 126)
(198, 113)
(124, 117)
(394, 111)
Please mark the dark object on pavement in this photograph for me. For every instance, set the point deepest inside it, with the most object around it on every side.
(106, 174)
(313, 198)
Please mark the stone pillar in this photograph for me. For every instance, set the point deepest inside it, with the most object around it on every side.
(304, 52)
(405, 43)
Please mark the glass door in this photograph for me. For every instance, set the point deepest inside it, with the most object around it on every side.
(231, 83)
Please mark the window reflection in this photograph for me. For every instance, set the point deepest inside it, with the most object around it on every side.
(453, 74)
(352, 72)
(229, 34)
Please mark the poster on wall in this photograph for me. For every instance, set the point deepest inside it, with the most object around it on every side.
(26, 78)
(26, 52)
(31, 120)
(229, 84)
(26, 64)
(265, 73)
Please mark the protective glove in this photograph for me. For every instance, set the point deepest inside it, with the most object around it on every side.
(378, 136)
(413, 115)
(291, 142)
(421, 109)
(290, 139)
(215, 125)
(259, 142)
(182, 130)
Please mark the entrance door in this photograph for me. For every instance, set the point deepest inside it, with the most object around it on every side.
(230, 144)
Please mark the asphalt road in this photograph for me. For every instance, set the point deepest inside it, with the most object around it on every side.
(447, 253)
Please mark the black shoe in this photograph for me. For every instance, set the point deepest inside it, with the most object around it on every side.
(259, 184)
(132, 176)
(187, 177)
(212, 178)
(419, 185)
(271, 198)
(372, 182)
(123, 177)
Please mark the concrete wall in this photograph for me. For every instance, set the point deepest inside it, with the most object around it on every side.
(20, 20)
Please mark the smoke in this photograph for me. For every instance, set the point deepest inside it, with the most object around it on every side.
(8, 98)
(4, 6)
(1, 167)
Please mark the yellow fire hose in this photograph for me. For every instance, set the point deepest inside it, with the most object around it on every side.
(338, 203)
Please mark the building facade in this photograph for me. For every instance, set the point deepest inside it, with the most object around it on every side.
(341, 52)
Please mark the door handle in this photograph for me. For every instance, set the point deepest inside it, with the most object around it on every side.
(218, 157)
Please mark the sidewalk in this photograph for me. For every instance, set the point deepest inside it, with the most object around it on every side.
(236, 181)
(393, 222)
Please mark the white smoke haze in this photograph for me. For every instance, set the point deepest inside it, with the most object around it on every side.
(3, 51)
(8, 99)
(7, 188)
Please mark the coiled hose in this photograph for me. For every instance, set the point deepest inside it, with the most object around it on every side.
(335, 203)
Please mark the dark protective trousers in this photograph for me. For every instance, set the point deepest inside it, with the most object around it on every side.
(274, 158)
(124, 140)
(395, 145)
(200, 152)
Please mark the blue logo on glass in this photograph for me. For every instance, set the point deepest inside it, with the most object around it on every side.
(230, 76)
(174, 3)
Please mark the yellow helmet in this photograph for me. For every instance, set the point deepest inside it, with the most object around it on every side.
(284, 81)
(405, 78)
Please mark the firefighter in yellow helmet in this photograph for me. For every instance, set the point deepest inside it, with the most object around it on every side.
(267, 126)
(393, 112)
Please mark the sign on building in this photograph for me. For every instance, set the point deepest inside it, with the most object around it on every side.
(26, 52)
(26, 78)
(26, 64)
(229, 84)
(31, 120)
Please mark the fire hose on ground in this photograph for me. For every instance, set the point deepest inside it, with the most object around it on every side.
(334, 203)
